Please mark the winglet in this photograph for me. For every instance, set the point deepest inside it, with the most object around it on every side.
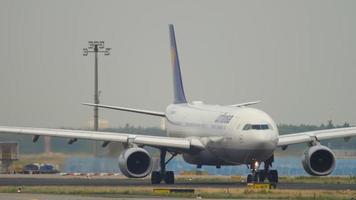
(179, 96)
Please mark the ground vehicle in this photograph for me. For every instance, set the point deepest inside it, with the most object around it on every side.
(48, 169)
(33, 168)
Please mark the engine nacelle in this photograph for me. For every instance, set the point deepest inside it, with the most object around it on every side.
(135, 162)
(318, 160)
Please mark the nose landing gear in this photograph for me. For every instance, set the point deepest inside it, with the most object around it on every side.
(259, 176)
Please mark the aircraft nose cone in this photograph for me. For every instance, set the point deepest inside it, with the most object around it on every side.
(263, 140)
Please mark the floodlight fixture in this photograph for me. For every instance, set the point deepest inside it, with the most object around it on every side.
(107, 51)
(85, 51)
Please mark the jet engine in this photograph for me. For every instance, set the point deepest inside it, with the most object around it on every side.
(318, 160)
(135, 162)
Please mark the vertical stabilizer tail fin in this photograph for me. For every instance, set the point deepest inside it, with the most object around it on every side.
(179, 96)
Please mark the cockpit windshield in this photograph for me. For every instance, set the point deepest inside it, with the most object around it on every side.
(257, 127)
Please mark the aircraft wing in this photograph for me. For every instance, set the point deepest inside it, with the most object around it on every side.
(305, 137)
(180, 144)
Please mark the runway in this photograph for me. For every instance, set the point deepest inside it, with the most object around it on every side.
(53, 180)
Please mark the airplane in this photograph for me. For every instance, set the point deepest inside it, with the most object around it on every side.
(212, 135)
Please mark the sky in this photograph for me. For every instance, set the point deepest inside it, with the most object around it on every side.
(298, 57)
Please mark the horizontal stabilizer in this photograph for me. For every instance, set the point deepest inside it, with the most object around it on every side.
(246, 104)
(146, 112)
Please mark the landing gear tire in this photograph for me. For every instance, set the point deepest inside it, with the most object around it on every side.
(169, 177)
(156, 178)
(255, 177)
(249, 178)
(273, 176)
(261, 176)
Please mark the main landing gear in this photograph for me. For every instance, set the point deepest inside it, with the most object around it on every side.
(163, 175)
(259, 176)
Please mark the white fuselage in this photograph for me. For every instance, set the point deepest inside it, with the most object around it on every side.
(231, 135)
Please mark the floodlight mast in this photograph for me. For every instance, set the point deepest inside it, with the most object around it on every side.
(96, 47)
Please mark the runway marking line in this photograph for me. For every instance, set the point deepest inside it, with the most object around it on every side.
(263, 186)
(172, 190)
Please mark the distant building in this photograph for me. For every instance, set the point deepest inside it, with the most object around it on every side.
(8, 153)
(103, 124)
